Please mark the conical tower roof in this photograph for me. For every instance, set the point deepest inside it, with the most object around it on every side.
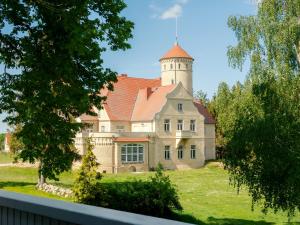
(176, 52)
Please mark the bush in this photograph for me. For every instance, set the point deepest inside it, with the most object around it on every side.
(87, 187)
(156, 196)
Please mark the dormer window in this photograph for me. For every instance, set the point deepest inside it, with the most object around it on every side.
(179, 107)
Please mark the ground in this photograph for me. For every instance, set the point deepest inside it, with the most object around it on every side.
(204, 193)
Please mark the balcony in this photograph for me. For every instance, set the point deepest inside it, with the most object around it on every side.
(25, 209)
(183, 134)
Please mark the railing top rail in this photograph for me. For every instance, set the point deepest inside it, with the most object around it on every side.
(76, 213)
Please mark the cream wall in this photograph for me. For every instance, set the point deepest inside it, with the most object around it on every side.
(120, 126)
(181, 71)
(175, 163)
(210, 142)
(144, 126)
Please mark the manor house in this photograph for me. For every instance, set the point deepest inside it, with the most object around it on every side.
(147, 121)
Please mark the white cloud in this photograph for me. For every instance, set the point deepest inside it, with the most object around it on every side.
(172, 12)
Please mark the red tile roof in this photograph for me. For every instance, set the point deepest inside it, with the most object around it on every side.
(204, 111)
(120, 102)
(146, 107)
(130, 139)
(85, 117)
(176, 52)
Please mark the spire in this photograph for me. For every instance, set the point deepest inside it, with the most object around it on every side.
(176, 34)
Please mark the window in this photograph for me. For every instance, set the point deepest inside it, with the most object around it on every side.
(193, 125)
(132, 153)
(167, 152)
(180, 152)
(179, 124)
(102, 128)
(179, 66)
(193, 151)
(186, 66)
(179, 107)
(172, 81)
(171, 66)
(164, 66)
(167, 125)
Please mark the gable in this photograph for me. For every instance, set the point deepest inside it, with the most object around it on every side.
(180, 93)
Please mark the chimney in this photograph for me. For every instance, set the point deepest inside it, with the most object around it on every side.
(148, 92)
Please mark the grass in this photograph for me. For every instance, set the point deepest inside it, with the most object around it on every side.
(204, 193)
(5, 157)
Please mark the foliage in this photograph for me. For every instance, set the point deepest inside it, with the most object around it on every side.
(53, 71)
(202, 97)
(2, 139)
(16, 145)
(263, 127)
(86, 186)
(204, 193)
(156, 196)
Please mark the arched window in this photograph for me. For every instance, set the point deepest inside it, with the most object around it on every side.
(132, 153)
(171, 66)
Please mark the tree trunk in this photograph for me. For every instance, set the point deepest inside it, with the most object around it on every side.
(41, 179)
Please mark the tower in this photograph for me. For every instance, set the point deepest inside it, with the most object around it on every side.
(177, 66)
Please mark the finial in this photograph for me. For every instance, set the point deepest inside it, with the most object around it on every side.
(176, 34)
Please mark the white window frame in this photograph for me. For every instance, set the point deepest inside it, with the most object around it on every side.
(193, 125)
(193, 151)
(180, 152)
(180, 107)
(180, 125)
(132, 153)
(167, 152)
(167, 125)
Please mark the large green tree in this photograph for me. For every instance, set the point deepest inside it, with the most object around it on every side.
(263, 144)
(52, 52)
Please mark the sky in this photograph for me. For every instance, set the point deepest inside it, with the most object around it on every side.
(202, 32)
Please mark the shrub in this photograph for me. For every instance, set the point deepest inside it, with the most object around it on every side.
(156, 196)
(87, 186)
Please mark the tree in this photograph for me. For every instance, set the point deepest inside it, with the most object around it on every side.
(54, 72)
(16, 145)
(202, 97)
(87, 186)
(263, 139)
(2, 139)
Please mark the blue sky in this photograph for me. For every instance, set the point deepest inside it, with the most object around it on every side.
(202, 32)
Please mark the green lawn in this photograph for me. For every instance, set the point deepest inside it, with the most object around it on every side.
(5, 157)
(204, 193)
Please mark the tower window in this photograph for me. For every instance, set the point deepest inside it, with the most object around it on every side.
(171, 66)
(179, 66)
(164, 66)
(187, 66)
